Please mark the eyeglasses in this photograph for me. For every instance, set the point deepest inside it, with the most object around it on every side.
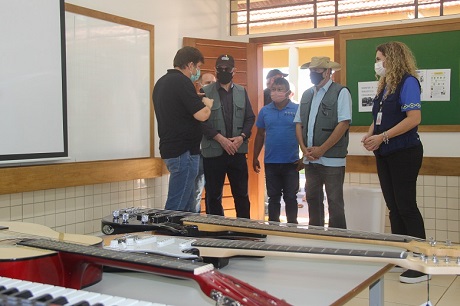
(224, 69)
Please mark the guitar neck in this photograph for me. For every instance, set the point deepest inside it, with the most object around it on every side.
(217, 223)
(154, 218)
(212, 283)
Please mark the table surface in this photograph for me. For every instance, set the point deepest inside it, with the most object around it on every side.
(299, 281)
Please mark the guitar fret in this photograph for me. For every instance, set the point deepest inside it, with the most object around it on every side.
(156, 261)
(293, 228)
(250, 245)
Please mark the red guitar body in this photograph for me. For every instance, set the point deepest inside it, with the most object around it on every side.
(51, 270)
(76, 261)
(44, 266)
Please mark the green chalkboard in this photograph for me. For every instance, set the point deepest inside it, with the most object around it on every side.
(439, 50)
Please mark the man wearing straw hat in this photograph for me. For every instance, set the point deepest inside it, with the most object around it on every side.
(322, 123)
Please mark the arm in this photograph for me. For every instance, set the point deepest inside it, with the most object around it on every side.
(410, 100)
(203, 114)
(298, 135)
(413, 118)
(339, 131)
(344, 120)
(249, 119)
(211, 133)
(258, 144)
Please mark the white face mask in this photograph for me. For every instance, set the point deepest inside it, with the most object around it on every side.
(379, 69)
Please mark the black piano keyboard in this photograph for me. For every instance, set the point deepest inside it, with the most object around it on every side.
(14, 292)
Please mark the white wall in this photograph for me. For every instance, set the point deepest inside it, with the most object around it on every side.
(173, 20)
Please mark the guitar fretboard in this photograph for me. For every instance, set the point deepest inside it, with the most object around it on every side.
(159, 261)
(241, 223)
(262, 246)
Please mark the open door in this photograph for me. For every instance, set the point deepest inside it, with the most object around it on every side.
(248, 63)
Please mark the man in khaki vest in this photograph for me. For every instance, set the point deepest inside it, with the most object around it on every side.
(225, 140)
(323, 119)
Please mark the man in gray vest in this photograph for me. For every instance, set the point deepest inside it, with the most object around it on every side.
(323, 119)
(225, 140)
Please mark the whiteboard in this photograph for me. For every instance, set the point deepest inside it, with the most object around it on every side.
(108, 86)
(32, 80)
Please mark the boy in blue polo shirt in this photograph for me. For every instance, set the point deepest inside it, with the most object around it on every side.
(276, 127)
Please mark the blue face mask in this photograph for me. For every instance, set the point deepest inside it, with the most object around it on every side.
(195, 77)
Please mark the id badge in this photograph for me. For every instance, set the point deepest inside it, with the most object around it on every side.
(378, 121)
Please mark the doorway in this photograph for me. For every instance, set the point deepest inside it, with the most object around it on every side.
(288, 57)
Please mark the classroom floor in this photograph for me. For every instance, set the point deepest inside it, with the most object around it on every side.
(444, 290)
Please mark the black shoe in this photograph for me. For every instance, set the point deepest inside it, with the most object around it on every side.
(413, 277)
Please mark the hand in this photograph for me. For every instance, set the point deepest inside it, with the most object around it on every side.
(238, 141)
(228, 145)
(256, 165)
(208, 102)
(373, 142)
(314, 153)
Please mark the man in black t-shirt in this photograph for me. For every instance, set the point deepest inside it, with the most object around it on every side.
(179, 111)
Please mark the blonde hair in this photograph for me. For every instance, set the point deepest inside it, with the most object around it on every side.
(399, 61)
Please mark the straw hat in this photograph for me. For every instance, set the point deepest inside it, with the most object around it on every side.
(321, 62)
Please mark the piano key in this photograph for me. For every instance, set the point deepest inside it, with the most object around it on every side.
(43, 294)
(24, 294)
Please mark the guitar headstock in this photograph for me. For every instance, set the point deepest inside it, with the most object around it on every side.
(227, 290)
(438, 254)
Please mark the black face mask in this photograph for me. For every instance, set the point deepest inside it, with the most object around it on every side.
(224, 77)
(316, 77)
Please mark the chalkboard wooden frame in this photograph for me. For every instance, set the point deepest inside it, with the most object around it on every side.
(436, 26)
(30, 178)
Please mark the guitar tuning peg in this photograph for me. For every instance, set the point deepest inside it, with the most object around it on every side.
(125, 217)
(435, 259)
(446, 259)
(424, 258)
(448, 243)
(432, 241)
(458, 260)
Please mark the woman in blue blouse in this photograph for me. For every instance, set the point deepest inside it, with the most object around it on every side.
(395, 142)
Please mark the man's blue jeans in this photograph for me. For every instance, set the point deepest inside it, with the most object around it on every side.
(183, 171)
(195, 199)
(282, 180)
(332, 178)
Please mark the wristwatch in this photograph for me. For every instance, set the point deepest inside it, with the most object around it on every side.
(244, 136)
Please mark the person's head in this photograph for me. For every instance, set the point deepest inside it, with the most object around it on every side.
(206, 79)
(189, 60)
(225, 69)
(280, 90)
(392, 61)
(321, 68)
(274, 74)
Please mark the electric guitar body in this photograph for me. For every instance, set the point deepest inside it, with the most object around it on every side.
(429, 256)
(36, 253)
(43, 266)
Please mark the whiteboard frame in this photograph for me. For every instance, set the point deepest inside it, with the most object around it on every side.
(42, 177)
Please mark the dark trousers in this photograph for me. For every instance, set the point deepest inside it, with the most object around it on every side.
(332, 178)
(236, 168)
(282, 180)
(398, 174)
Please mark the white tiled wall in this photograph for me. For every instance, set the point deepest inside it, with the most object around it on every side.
(437, 199)
(80, 209)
